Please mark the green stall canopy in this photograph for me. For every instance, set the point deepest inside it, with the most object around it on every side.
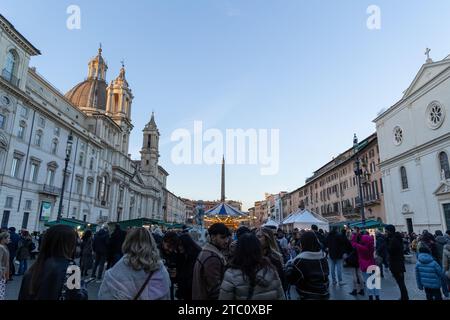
(369, 224)
(74, 223)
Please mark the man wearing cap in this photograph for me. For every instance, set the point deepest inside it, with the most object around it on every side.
(396, 260)
(210, 265)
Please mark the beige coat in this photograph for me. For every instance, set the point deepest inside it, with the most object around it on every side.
(235, 287)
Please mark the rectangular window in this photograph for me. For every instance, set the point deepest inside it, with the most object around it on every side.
(381, 185)
(34, 172)
(41, 122)
(9, 202)
(15, 167)
(5, 219)
(84, 217)
(56, 131)
(81, 159)
(26, 215)
(74, 211)
(24, 111)
(50, 177)
(38, 139)
(89, 188)
(28, 204)
(2, 121)
(21, 132)
(79, 185)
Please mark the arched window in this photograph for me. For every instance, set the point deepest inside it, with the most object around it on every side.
(404, 178)
(11, 65)
(445, 168)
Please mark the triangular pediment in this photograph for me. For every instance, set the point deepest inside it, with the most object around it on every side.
(444, 188)
(425, 74)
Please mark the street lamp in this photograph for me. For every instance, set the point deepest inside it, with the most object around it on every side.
(358, 173)
(68, 152)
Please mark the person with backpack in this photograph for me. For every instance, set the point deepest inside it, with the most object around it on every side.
(251, 276)
(47, 278)
(210, 265)
(429, 275)
(140, 273)
(309, 270)
(24, 251)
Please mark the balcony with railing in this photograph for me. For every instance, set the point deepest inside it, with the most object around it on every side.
(51, 190)
(330, 214)
(8, 76)
(369, 200)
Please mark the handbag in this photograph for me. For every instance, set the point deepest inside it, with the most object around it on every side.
(144, 285)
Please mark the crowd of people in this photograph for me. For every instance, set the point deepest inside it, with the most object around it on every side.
(257, 264)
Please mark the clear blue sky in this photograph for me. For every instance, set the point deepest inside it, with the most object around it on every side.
(309, 68)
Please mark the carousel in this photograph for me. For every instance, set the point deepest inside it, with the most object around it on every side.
(223, 212)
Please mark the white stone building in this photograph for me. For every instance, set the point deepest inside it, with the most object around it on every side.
(102, 182)
(414, 143)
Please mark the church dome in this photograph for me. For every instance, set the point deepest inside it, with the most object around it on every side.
(90, 94)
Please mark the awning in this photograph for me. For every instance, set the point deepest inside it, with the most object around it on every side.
(369, 224)
(74, 223)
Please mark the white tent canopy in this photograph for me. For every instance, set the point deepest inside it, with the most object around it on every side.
(271, 223)
(304, 219)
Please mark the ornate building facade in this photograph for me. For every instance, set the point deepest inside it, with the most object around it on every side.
(103, 183)
(414, 139)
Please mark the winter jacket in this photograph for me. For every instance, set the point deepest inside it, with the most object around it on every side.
(446, 260)
(51, 282)
(24, 249)
(236, 286)
(115, 242)
(208, 273)
(441, 241)
(122, 282)
(101, 240)
(13, 244)
(365, 249)
(429, 273)
(337, 245)
(396, 259)
(381, 249)
(87, 257)
(309, 273)
(185, 270)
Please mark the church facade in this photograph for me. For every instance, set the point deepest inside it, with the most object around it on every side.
(102, 182)
(414, 143)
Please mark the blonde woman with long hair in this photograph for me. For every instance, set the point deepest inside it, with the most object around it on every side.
(271, 250)
(140, 274)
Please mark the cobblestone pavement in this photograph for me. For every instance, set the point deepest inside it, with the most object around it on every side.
(389, 289)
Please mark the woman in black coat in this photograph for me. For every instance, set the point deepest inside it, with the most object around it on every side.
(49, 276)
(188, 251)
(396, 259)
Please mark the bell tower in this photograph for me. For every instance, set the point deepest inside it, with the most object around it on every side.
(150, 147)
(118, 107)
